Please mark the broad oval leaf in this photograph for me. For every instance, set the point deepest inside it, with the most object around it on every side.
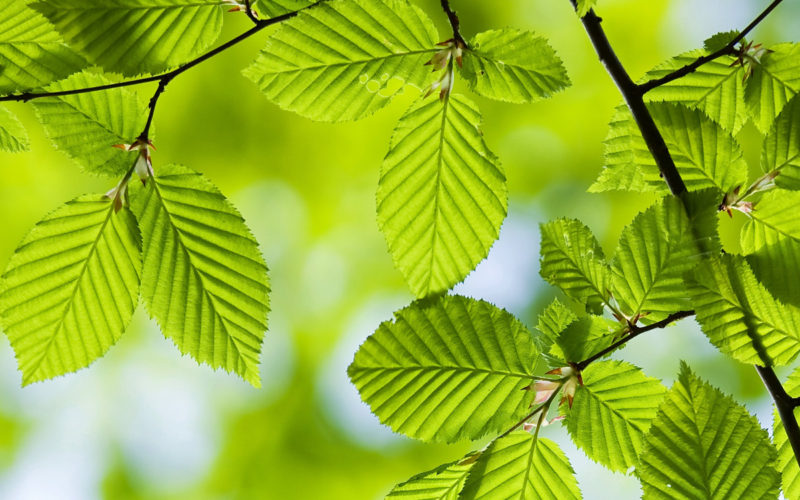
(13, 136)
(71, 287)
(612, 411)
(775, 80)
(513, 66)
(204, 279)
(781, 151)
(442, 483)
(136, 36)
(447, 369)
(787, 462)
(703, 444)
(442, 194)
(345, 59)
(87, 126)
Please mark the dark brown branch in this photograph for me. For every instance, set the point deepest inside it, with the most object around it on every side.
(635, 331)
(785, 405)
(455, 23)
(726, 50)
(249, 11)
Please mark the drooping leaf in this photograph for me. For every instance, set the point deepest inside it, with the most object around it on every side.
(87, 126)
(719, 41)
(204, 279)
(781, 151)
(32, 54)
(775, 80)
(703, 444)
(345, 59)
(787, 462)
(275, 8)
(584, 6)
(585, 337)
(447, 369)
(740, 316)
(513, 66)
(136, 36)
(572, 259)
(71, 287)
(521, 467)
(13, 137)
(442, 483)
(442, 194)
(612, 411)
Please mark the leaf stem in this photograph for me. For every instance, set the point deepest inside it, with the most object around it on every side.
(544, 407)
(455, 23)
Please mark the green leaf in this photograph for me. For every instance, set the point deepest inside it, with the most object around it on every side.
(513, 66)
(31, 53)
(136, 36)
(345, 59)
(204, 280)
(571, 259)
(13, 137)
(773, 83)
(706, 155)
(612, 411)
(584, 338)
(787, 462)
(87, 126)
(275, 8)
(442, 483)
(555, 319)
(71, 287)
(584, 6)
(740, 316)
(703, 444)
(719, 41)
(442, 194)
(447, 369)
(522, 467)
(781, 151)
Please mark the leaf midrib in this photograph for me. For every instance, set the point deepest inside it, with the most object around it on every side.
(446, 368)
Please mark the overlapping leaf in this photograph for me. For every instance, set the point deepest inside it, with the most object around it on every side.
(447, 369)
(32, 54)
(554, 319)
(87, 126)
(513, 66)
(442, 483)
(275, 8)
(781, 151)
(204, 279)
(612, 411)
(136, 36)
(775, 80)
(13, 137)
(703, 444)
(345, 59)
(787, 462)
(740, 316)
(71, 287)
(520, 466)
(584, 337)
(442, 194)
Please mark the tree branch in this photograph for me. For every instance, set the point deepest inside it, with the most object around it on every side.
(455, 23)
(785, 405)
(728, 49)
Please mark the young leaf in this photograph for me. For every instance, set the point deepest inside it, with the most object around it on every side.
(584, 6)
(71, 287)
(612, 411)
(520, 466)
(204, 279)
(442, 194)
(275, 8)
(775, 80)
(555, 319)
(781, 151)
(719, 41)
(31, 53)
(740, 316)
(585, 337)
(787, 462)
(571, 259)
(703, 444)
(13, 137)
(345, 59)
(447, 369)
(136, 36)
(442, 483)
(513, 66)
(87, 126)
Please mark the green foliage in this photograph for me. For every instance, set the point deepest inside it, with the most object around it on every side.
(584, 6)
(719, 41)
(775, 80)
(583, 338)
(274, 8)
(13, 137)
(149, 35)
(204, 279)
(447, 369)
(442, 483)
(787, 462)
(781, 152)
(439, 178)
(71, 287)
(703, 444)
(554, 319)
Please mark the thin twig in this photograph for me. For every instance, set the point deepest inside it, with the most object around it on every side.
(249, 10)
(455, 23)
(785, 405)
(544, 407)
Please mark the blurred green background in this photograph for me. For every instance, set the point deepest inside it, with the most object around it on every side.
(143, 422)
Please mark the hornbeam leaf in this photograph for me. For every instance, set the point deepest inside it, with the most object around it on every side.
(781, 151)
(275, 8)
(136, 36)
(31, 53)
(585, 337)
(521, 467)
(775, 80)
(204, 279)
(703, 444)
(442, 194)
(13, 137)
(87, 126)
(612, 411)
(787, 462)
(345, 59)
(555, 319)
(447, 369)
(513, 66)
(740, 316)
(71, 287)
(442, 483)
(719, 41)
